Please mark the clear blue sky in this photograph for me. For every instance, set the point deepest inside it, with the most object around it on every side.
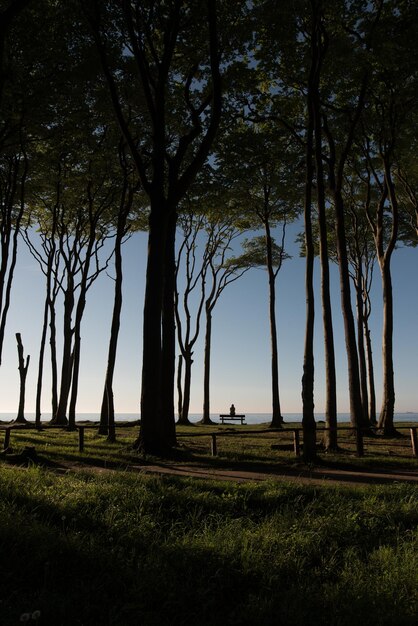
(241, 348)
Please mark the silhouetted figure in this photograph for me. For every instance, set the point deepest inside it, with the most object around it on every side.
(232, 410)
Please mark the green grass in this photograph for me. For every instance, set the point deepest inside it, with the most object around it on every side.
(242, 447)
(121, 549)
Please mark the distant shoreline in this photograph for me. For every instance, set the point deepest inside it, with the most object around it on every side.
(250, 418)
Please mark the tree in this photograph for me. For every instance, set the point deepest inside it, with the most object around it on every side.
(347, 34)
(75, 207)
(308, 418)
(361, 257)
(123, 225)
(13, 174)
(195, 274)
(13, 151)
(263, 251)
(257, 162)
(222, 271)
(176, 68)
(49, 263)
(23, 370)
(319, 45)
(386, 124)
(8, 16)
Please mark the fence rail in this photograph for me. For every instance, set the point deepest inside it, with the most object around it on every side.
(214, 436)
(298, 440)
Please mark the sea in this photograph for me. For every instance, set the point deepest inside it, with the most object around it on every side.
(250, 418)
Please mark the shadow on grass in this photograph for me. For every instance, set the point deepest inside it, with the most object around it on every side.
(163, 561)
(186, 463)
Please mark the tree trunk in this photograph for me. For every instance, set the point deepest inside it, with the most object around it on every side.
(356, 408)
(277, 419)
(308, 417)
(41, 365)
(66, 368)
(330, 435)
(111, 436)
(386, 424)
(169, 333)
(184, 415)
(153, 438)
(81, 305)
(386, 417)
(370, 369)
(74, 378)
(107, 412)
(179, 385)
(206, 365)
(23, 370)
(360, 344)
(53, 347)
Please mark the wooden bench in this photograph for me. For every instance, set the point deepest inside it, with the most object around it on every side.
(226, 417)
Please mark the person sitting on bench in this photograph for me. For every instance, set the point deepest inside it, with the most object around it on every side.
(232, 410)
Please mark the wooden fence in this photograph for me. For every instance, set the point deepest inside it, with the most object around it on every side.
(298, 437)
(214, 436)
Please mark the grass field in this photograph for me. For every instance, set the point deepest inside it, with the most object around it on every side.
(118, 548)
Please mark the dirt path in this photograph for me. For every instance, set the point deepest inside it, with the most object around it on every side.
(317, 475)
(312, 476)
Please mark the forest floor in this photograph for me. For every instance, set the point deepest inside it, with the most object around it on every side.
(247, 456)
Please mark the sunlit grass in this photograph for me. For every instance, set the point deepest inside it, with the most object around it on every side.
(247, 446)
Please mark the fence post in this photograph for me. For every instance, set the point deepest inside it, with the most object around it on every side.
(81, 438)
(414, 441)
(296, 442)
(359, 442)
(213, 447)
(6, 438)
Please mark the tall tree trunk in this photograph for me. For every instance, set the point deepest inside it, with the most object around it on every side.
(360, 345)
(386, 417)
(107, 411)
(49, 302)
(66, 368)
(41, 365)
(179, 385)
(330, 436)
(81, 305)
(277, 419)
(153, 438)
(54, 365)
(386, 424)
(356, 407)
(184, 415)
(74, 378)
(206, 365)
(111, 436)
(370, 370)
(308, 417)
(169, 333)
(23, 370)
